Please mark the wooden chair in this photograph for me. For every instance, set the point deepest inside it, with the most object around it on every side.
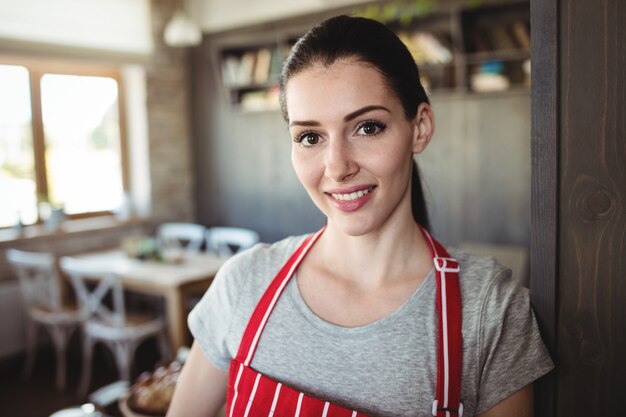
(100, 295)
(230, 240)
(184, 239)
(40, 287)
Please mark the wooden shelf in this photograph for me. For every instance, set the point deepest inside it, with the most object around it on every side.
(451, 46)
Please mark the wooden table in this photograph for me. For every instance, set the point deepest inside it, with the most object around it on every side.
(174, 282)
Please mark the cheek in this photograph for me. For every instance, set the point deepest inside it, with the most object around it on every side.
(390, 161)
(304, 167)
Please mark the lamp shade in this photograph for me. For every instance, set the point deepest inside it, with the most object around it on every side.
(181, 31)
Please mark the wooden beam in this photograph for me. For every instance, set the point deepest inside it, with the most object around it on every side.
(544, 23)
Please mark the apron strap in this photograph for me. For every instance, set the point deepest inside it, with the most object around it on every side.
(447, 402)
(264, 308)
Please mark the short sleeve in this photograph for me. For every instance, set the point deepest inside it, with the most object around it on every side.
(512, 353)
(211, 319)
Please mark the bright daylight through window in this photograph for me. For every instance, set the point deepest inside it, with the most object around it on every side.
(67, 153)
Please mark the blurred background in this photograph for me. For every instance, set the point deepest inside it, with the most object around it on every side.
(119, 116)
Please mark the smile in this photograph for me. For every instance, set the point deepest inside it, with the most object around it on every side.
(351, 196)
(352, 199)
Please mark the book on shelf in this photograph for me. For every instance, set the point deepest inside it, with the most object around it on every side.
(521, 34)
(426, 48)
(230, 70)
(276, 61)
(246, 68)
(499, 38)
(478, 41)
(436, 52)
(262, 67)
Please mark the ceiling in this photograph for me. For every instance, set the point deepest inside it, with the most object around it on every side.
(219, 15)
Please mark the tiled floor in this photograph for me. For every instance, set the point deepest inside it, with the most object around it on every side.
(38, 397)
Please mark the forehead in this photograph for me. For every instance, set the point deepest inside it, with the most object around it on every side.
(321, 92)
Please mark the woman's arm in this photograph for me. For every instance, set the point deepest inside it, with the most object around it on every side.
(520, 404)
(201, 387)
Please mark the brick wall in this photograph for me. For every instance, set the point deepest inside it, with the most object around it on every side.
(167, 77)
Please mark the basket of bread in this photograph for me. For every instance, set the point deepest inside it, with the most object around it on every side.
(152, 392)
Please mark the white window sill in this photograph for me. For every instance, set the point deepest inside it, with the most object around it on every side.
(68, 227)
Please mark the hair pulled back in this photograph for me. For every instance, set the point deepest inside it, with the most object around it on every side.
(371, 43)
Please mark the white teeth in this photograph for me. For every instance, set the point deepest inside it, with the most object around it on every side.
(351, 196)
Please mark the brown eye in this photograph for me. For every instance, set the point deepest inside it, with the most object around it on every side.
(371, 128)
(308, 139)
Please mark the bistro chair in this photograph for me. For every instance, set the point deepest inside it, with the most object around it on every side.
(100, 294)
(41, 293)
(229, 240)
(184, 239)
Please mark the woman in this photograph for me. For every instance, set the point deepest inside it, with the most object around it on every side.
(354, 320)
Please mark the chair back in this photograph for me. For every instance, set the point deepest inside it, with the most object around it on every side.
(92, 284)
(184, 237)
(38, 278)
(230, 240)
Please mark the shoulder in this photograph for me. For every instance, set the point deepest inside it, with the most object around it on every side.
(219, 318)
(258, 264)
(489, 292)
(481, 275)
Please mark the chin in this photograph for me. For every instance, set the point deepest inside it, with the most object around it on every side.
(352, 226)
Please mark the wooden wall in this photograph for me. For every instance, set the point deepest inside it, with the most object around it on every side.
(579, 202)
(592, 266)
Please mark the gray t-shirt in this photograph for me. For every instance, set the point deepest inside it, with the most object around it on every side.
(385, 368)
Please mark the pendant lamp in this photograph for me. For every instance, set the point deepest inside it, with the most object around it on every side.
(181, 30)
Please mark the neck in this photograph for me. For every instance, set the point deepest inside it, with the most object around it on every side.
(393, 252)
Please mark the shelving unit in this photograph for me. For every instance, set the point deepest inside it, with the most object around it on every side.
(250, 71)
(458, 49)
(497, 47)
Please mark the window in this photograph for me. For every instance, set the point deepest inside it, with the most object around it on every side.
(61, 141)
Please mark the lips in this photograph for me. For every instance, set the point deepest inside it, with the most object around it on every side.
(351, 199)
(352, 195)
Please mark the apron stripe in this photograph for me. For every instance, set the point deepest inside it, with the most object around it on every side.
(256, 384)
(275, 401)
(446, 359)
(326, 409)
(299, 405)
(354, 414)
(232, 405)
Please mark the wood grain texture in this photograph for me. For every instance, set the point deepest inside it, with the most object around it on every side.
(592, 279)
(544, 182)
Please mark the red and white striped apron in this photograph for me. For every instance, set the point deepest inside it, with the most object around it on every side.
(251, 394)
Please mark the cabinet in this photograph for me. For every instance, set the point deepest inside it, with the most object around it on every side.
(459, 46)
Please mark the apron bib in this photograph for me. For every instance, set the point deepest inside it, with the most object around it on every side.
(251, 394)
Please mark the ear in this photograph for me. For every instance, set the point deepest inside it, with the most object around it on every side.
(424, 127)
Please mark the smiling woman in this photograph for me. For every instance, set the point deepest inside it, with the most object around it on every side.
(379, 318)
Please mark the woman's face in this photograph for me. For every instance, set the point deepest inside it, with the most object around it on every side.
(353, 145)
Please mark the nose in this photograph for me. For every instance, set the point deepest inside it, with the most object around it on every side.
(340, 160)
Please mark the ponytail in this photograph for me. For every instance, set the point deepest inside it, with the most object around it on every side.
(418, 203)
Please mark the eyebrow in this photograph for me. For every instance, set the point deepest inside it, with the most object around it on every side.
(347, 118)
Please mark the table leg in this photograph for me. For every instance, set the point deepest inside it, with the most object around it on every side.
(175, 318)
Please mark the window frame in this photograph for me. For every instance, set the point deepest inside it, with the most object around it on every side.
(37, 68)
